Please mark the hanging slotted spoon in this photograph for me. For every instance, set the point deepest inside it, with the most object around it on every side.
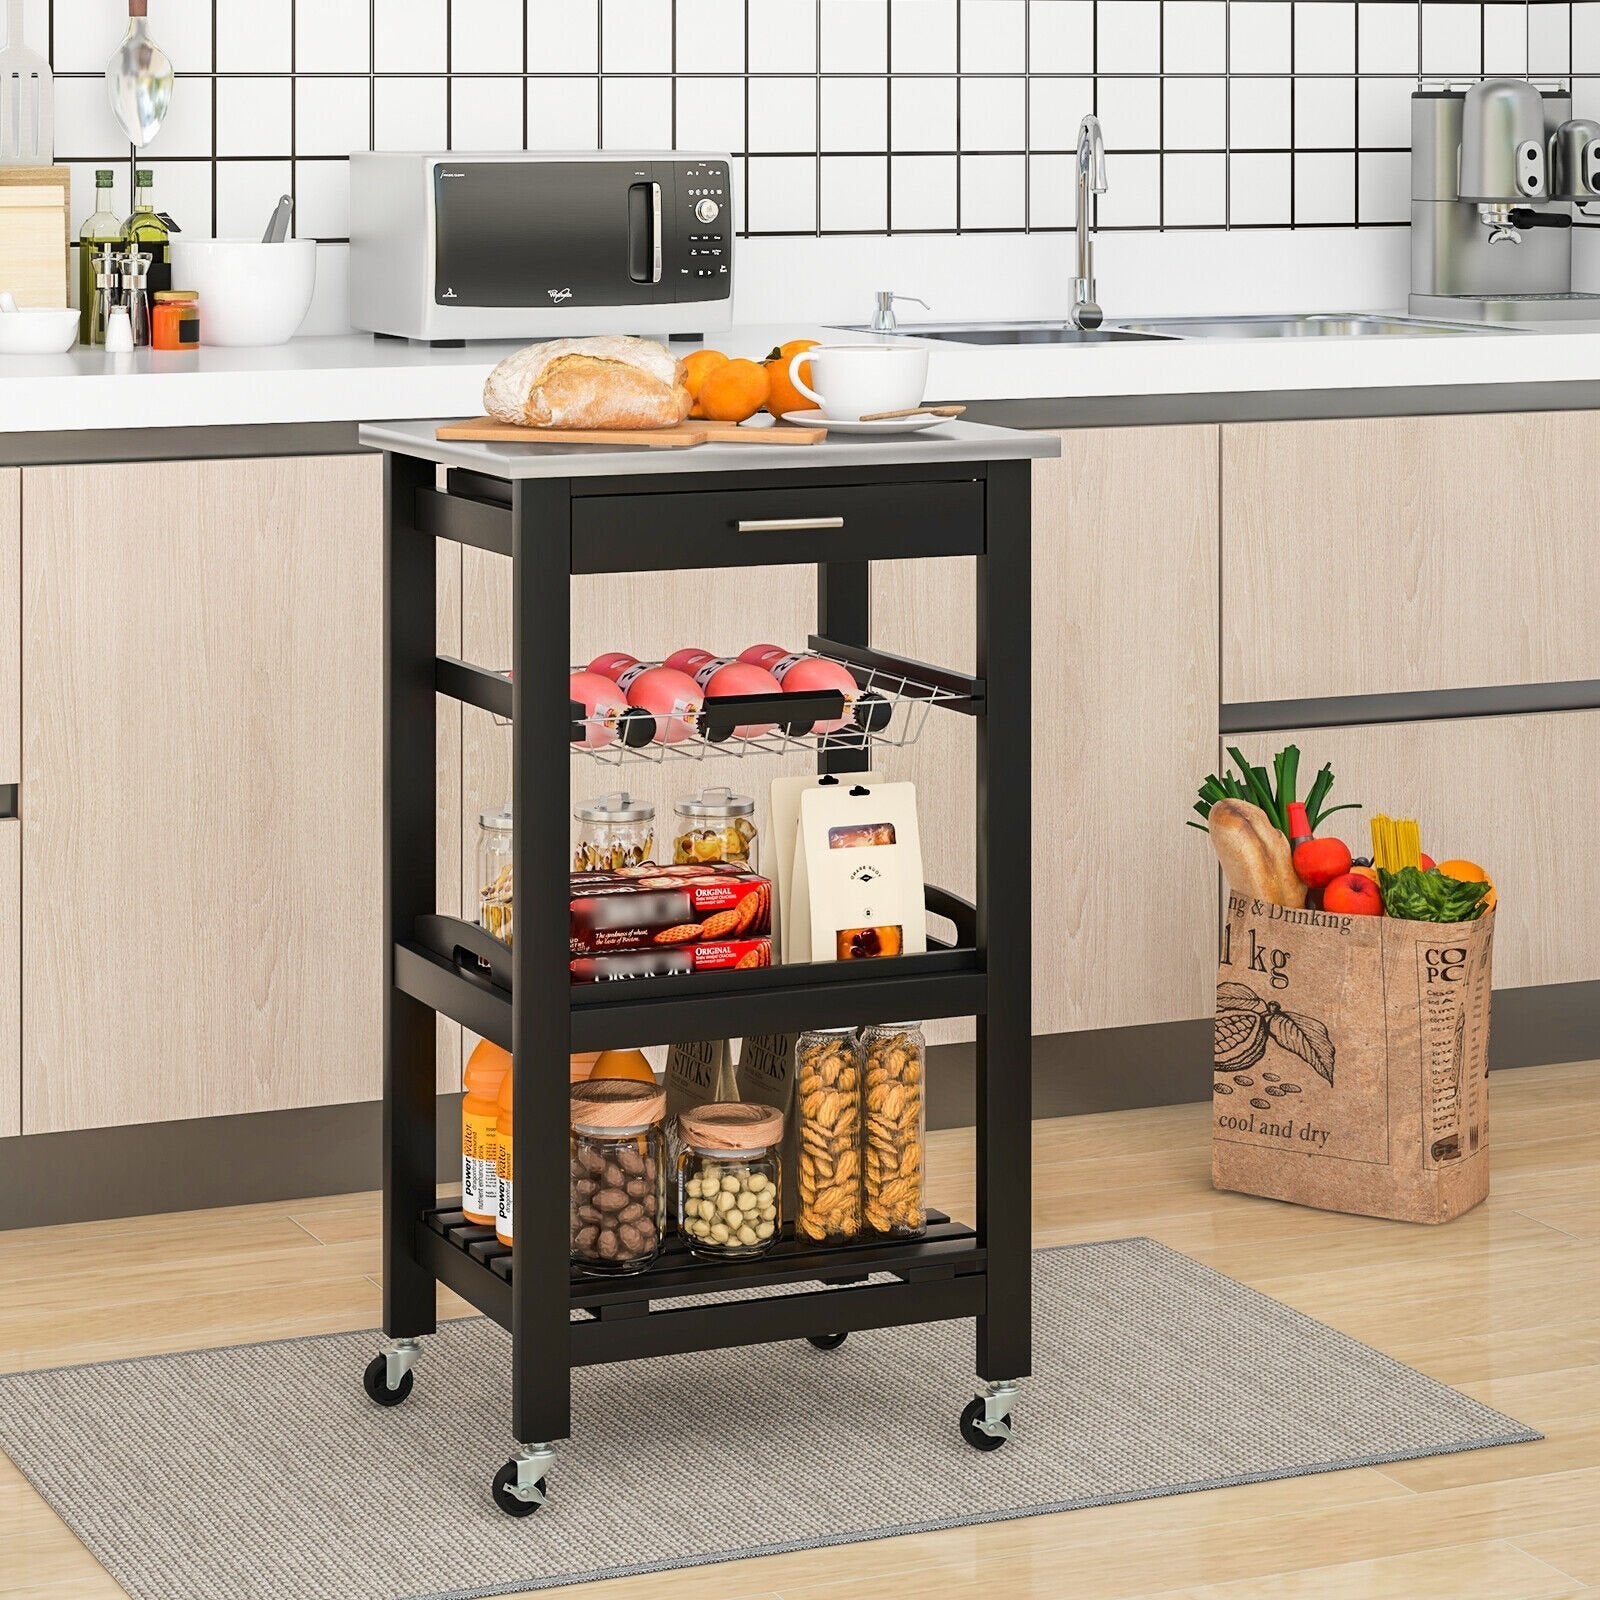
(138, 79)
(27, 133)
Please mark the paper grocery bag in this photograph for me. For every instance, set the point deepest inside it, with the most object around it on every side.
(1351, 1060)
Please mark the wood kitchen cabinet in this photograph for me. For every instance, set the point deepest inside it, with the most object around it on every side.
(10, 829)
(1125, 707)
(201, 783)
(1403, 553)
(1505, 792)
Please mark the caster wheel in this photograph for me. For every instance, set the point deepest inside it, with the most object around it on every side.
(508, 1502)
(972, 1433)
(375, 1380)
(826, 1341)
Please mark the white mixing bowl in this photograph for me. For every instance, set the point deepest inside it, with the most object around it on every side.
(35, 332)
(250, 293)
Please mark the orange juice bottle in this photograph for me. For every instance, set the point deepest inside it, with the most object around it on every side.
(487, 1068)
(502, 1212)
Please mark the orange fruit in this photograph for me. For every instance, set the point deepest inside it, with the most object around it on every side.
(1366, 872)
(733, 391)
(1470, 872)
(623, 1064)
(695, 367)
(782, 395)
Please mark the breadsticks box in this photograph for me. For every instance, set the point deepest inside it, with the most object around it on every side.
(1351, 1061)
(858, 870)
(766, 1077)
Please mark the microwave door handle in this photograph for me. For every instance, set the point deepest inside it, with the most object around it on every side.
(655, 232)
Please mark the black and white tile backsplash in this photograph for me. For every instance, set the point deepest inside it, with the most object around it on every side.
(846, 116)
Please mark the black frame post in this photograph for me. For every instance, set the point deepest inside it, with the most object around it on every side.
(1005, 935)
(541, 1028)
(410, 1031)
(844, 614)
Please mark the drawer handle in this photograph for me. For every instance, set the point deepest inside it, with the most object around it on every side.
(787, 524)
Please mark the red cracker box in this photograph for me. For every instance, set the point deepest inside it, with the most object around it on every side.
(649, 907)
(666, 961)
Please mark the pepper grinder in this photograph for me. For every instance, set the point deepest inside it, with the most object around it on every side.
(136, 294)
(105, 293)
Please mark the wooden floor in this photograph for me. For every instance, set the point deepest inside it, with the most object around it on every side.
(1504, 1303)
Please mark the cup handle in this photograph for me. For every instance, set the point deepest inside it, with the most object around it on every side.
(795, 363)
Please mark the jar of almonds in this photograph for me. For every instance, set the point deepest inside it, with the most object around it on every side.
(828, 1097)
(618, 1174)
(729, 1179)
(896, 1118)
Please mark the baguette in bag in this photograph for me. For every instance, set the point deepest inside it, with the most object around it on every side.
(1255, 855)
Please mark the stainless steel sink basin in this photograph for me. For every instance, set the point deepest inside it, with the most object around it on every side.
(1020, 333)
(1316, 325)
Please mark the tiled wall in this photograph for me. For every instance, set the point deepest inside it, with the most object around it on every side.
(849, 116)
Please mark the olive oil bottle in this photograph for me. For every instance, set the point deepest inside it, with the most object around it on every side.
(103, 228)
(150, 231)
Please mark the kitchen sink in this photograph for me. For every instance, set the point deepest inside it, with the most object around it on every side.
(1020, 333)
(1315, 325)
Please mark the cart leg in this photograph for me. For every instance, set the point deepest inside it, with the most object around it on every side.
(409, 766)
(1004, 1034)
(541, 983)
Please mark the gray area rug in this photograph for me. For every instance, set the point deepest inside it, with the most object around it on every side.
(265, 1471)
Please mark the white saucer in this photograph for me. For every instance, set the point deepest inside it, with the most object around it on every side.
(815, 419)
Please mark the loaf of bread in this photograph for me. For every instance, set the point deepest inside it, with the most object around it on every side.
(589, 383)
(1255, 855)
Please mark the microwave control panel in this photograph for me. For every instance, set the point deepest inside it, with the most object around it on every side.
(700, 260)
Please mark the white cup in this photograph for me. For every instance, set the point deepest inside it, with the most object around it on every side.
(857, 380)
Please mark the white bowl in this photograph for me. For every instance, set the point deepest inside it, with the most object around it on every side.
(250, 293)
(35, 332)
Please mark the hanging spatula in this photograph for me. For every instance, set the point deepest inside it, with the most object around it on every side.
(27, 113)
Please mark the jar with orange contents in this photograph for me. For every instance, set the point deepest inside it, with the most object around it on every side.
(175, 320)
(715, 825)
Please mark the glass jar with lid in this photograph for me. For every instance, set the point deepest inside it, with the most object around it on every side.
(715, 825)
(618, 1174)
(828, 1100)
(614, 831)
(730, 1179)
(494, 873)
(892, 1166)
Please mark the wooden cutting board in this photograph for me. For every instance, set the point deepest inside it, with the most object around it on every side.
(35, 235)
(485, 430)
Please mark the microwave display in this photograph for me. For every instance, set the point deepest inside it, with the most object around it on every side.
(581, 233)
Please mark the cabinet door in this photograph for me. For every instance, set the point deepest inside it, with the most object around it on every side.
(10, 977)
(1125, 708)
(1391, 554)
(10, 627)
(202, 787)
(1511, 793)
(10, 773)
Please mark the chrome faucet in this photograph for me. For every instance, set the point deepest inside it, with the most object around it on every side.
(1085, 313)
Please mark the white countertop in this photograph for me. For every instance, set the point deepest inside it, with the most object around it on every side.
(949, 441)
(355, 378)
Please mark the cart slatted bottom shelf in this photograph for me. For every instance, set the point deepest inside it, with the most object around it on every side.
(959, 490)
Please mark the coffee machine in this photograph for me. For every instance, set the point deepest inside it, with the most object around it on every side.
(1498, 170)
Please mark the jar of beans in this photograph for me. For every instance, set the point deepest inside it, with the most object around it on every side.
(828, 1104)
(729, 1179)
(618, 1174)
(896, 1122)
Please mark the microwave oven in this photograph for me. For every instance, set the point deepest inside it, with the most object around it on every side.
(450, 246)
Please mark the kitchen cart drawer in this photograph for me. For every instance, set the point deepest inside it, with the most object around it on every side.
(774, 526)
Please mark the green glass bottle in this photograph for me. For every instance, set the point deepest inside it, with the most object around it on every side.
(151, 231)
(103, 228)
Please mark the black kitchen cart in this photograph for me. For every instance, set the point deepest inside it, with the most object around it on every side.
(960, 490)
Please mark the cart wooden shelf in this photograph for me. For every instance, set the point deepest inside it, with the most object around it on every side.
(555, 513)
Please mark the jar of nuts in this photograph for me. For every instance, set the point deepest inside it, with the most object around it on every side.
(828, 1094)
(896, 1117)
(614, 831)
(618, 1174)
(729, 1179)
(715, 825)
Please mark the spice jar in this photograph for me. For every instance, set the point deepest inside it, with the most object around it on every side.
(175, 321)
(828, 1094)
(494, 873)
(729, 1179)
(614, 831)
(715, 825)
(618, 1174)
(893, 1171)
